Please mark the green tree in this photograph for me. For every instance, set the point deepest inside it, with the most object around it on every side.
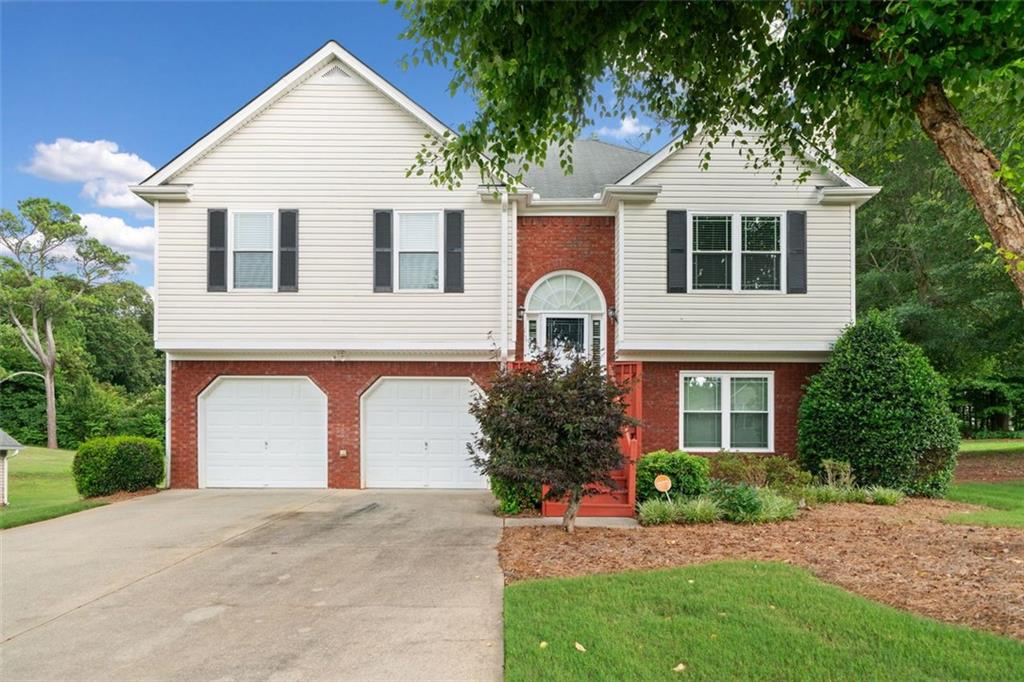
(50, 262)
(916, 255)
(796, 71)
(556, 424)
(879, 405)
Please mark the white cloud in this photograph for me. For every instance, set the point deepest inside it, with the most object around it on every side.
(628, 127)
(137, 242)
(104, 171)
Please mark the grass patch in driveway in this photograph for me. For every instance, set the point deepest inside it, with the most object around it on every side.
(41, 487)
(736, 620)
(1005, 499)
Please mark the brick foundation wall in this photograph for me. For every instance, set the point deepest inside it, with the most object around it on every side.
(585, 244)
(343, 382)
(661, 399)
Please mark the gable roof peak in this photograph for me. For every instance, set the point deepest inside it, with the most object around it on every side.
(309, 66)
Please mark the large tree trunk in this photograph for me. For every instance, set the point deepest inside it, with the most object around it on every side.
(49, 376)
(976, 167)
(51, 408)
(571, 510)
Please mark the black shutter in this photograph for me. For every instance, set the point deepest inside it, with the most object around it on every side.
(796, 252)
(676, 242)
(217, 249)
(288, 249)
(453, 257)
(382, 250)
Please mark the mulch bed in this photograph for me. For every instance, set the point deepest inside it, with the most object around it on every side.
(121, 496)
(990, 467)
(903, 556)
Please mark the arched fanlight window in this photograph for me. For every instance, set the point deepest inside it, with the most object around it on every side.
(565, 310)
(565, 292)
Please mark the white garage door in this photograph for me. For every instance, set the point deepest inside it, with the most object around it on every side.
(416, 431)
(263, 432)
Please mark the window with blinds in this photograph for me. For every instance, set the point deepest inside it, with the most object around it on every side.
(418, 251)
(252, 250)
(761, 253)
(712, 252)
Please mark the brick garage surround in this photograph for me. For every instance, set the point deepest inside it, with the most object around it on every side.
(343, 382)
(661, 399)
(547, 244)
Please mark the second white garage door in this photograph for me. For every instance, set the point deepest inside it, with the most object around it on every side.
(415, 434)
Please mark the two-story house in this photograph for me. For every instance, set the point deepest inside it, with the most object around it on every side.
(325, 317)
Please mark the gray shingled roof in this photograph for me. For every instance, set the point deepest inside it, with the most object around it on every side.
(595, 164)
(8, 443)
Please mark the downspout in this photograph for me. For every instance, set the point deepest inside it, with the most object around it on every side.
(167, 420)
(503, 336)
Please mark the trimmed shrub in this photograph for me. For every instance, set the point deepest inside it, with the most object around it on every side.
(886, 496)
(656, 512)
(880, 406)
(739, 503)
(689, 473)
(515, 498)
(775, 507)
(104, 466)
(837, 474)
(773, 471)
(700, 509)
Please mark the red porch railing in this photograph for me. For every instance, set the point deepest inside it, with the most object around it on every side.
(620, 499)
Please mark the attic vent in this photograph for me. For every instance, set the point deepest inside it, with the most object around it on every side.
(333, 74)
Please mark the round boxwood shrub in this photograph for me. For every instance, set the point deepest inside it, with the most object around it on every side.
(515, 498)
(689, 473)
(104, 466)
(878, 404)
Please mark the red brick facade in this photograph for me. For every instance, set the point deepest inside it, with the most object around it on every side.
(661, 399)
(585, 244)
(343, 382)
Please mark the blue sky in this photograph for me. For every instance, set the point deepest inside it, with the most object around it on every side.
(94, 94)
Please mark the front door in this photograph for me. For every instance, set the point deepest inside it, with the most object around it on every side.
(566, 333)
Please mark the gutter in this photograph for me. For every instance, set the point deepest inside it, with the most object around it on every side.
(831, 196)
(504, 278)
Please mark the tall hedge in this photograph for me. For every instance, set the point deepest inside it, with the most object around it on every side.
(104, 466)
(878, 404)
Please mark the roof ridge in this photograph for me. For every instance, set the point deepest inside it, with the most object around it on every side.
(613, 145)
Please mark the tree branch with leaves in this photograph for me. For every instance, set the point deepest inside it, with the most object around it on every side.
(786, 77)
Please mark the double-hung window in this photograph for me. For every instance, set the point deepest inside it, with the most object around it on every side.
(252, 250)
(726, 411)
(737, 252)
(712, 252)
(418, 252)
(762, 253)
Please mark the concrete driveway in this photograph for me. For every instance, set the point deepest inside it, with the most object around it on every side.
(257, 585)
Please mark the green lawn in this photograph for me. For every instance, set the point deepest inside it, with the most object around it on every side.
(971, 446)
(41, 487)
(736, 620)
(1006, 500)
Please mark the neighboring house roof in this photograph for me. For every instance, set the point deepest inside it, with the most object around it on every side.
(8, 443)
(594, 165)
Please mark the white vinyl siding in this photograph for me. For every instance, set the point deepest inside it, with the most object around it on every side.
(734, 319)
(726, 411)
(336, 151)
